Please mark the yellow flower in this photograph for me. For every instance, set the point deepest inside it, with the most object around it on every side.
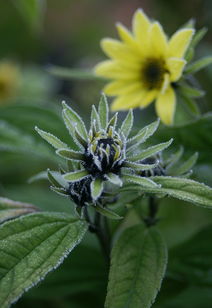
(144, 66)
(9, 80)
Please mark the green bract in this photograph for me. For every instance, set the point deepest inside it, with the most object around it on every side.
(106, 156)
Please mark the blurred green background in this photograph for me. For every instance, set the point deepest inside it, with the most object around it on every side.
(37, 34)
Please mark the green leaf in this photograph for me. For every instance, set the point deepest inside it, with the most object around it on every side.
(198, 65)
(198, 37)
(69, 154)
(103, 111)
(75, 120)
(143, 135)
(114, 179)
(127, 124)
(11, 209)
(192, 260)
(191, 91)
(37, 177)
(96, 188)
(54, 141)
(183, 189)
(107, 213)
(185, 166)
(60, 191)
(32, 246)
(191, 104)
(139, 180)
(138, 264)
(113, 121)
(150, 151)
(67, 73)
(75, 176)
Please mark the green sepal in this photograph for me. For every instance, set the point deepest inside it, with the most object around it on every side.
(142, 135)
(103, 111)
(95, 118)
(76, 175)
(56, 179)
(60, 191)
(114, 179)
(185, 166)
(76, 120)
(70, 154)
(139, 167)
(96, 188)
(106, 212)
(51, 139)
(127, 124)
(139, 180)
(150, 151)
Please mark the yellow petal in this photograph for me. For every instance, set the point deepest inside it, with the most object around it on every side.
(114, 69)
(126, 36)
(148, 98)
(165, 84)
(122, 87)
(119, 50)
(165, 106)
(179, 42)
(125, 102)
(141, 26)
(158, 42)
(175, 67)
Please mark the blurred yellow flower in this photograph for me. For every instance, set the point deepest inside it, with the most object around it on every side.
(9, 80)
(144, 66)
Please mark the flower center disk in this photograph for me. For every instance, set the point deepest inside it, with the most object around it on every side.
(152, 73)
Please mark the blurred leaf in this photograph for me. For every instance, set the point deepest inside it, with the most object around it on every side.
(190, 91)
(195, 137)
(198, 65)
(67, 73)
(198, 37)
(138, 264)
(31, 246)
(32, 11)
(184, 166)
(11, 209)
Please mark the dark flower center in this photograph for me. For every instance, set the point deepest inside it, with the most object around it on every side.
(80, 191)
(104, 159)
(152, 73)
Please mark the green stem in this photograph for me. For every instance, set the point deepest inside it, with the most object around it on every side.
(153, 209)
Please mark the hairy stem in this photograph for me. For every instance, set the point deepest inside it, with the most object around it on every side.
(153, 209)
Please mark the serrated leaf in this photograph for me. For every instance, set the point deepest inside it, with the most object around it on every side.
(76, 120)
(96, 188)
(103, 111)
(76, 175)
(12, 209)
(127, 124)
(150, 151)
(138, 264)
(107, 213)
(70, 154)
(185, 166)
(142, 135)
(51, 139)
(32, 246)
(198, 65)
(183, 189)
(114, 179)
(139, 180)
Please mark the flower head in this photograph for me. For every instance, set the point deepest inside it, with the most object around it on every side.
(144, 66)
(106, 155)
